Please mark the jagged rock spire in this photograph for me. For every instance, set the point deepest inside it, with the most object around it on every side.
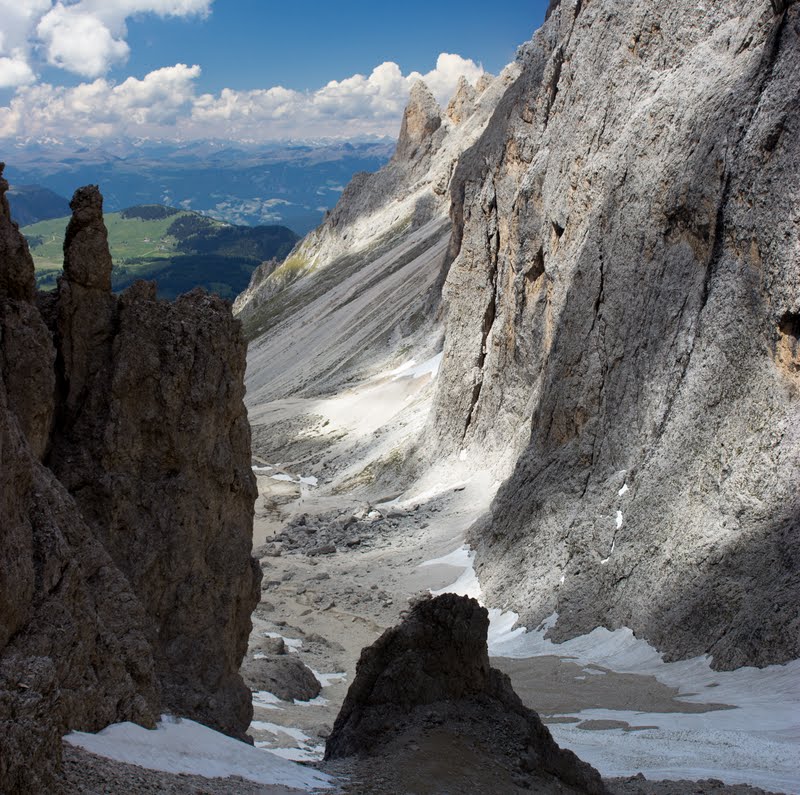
(87, 259)
(17, 279)
(422, 118)
(463, 102)
(484, 81)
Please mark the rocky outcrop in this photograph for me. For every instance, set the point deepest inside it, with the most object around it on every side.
(463, 102)
(126, 501)
(437, 660)
(421, 119)
(379, 257)
(284, 675)
(622, 324)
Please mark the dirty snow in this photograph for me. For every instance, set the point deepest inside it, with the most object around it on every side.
(179, 745)
(756, 743)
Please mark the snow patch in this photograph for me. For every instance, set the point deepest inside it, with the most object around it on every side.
(179, 745)
(326, 680)
(293, 644)
(412, 370)
(754, 742)
(266, 700)
(624, 490)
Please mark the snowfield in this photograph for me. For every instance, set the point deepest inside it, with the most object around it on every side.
(179, 745)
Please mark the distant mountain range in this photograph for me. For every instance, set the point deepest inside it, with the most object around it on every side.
(178, 249)
(290, 184)
(34, 203)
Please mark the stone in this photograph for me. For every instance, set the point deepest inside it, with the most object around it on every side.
(324, 549)
(421, 119)
(421, 670)
(17, 277)
(463, 102)
(618, 312)
(286, 676)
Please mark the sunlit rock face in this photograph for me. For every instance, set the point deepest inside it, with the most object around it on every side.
(622, 322)
(126, 503)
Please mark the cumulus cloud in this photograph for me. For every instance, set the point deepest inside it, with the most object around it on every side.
(357, 105)
(18, 19)
(79, 42)
(165, 104)
(101, 108)
(15, 71)
(86, 37)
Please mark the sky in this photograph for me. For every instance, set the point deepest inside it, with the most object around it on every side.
(243, 70)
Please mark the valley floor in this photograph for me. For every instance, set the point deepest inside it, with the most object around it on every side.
(338, 571)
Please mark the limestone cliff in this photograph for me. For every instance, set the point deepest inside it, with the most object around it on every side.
(619, 288)
(622, 321)
(125, 505)
(379, 257)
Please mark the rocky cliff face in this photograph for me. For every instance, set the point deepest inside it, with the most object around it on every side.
(379, 257)
(622, 321)
(621, 316)
(125, 505)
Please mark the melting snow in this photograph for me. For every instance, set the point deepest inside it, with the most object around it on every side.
(265, 699)
(304, 752)
(623, 491)
(411, 369)
(326, 680)
(179, 745)
(619, 519)
(293, 644)
(756, 742)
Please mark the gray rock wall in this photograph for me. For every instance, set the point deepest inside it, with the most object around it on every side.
(623, 310)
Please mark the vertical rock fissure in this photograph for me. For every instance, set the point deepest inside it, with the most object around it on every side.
(493, 241)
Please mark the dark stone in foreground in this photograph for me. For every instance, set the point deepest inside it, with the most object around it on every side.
(438, 656)
(126, 505)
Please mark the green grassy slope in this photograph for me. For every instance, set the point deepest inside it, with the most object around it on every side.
(177, 249)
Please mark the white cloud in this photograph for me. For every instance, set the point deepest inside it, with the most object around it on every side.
(15, 71)
(356, 105)
(165, 104)
(101, 108)
(79, 42)
(18, 19)
(86, 37)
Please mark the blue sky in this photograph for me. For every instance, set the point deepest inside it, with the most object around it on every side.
(239, 68)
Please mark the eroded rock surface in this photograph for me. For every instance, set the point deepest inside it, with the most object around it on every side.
(126, 500)
(622, 324)
(431, 673)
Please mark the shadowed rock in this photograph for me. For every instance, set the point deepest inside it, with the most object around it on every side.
(87, 259)
(621, 329)
(17, 280)
(126, 500)
(436, 662)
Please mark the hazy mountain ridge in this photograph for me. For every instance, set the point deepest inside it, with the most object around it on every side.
(32, 203)
(287, 183)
